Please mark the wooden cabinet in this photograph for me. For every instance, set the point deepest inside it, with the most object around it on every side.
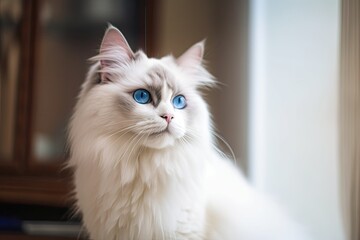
(44, 47)
(44, 50)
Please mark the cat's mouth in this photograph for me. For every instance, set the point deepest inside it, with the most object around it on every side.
(160, 138)
(160, 132)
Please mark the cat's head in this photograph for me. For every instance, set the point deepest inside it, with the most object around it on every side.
(150, 102)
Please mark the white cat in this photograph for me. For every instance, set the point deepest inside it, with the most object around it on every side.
(146, 166)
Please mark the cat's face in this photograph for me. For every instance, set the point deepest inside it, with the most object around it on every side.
(154, 104)
(151, 102)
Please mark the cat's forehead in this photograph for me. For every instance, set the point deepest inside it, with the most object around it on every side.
(158, 75)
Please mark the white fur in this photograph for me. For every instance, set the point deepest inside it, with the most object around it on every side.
(130, 184)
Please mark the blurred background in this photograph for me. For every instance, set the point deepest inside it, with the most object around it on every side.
(288, 100)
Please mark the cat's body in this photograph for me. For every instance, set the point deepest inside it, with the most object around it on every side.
(150, 169)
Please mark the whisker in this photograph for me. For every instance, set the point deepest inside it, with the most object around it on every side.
(227, 145)
(140, 137)
(137, 142)
(123, 131)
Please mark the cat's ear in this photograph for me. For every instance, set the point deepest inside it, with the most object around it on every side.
(114, 51)
(192, 61)
(193, 56)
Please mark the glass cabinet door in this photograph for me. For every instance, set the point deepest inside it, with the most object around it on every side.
(44, 50)
(68, 33)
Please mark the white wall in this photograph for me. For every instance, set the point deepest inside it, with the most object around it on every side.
(293, 102)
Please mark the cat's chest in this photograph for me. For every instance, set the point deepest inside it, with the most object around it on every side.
(161, 199)
(156, 211)
(152, 195)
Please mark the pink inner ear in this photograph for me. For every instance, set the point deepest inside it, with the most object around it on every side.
(114, 38)
(193, 56)
(114, 50)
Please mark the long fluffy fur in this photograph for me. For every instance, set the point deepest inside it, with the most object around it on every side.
(126, 189)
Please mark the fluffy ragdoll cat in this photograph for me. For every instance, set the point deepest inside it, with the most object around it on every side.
(144, 158)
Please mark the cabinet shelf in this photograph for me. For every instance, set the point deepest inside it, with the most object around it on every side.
(35, 190)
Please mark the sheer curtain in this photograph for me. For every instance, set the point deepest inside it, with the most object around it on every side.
(350, 116)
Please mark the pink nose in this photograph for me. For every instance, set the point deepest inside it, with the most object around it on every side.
(168, 117)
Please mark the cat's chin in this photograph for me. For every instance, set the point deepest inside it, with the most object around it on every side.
(160, 141)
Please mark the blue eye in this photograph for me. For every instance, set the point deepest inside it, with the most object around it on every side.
(179, 102)
(142, 96)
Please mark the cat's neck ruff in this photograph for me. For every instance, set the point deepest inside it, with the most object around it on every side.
(153, 188)
(152, 164)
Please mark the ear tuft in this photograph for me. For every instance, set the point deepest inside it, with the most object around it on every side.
(193, 56)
